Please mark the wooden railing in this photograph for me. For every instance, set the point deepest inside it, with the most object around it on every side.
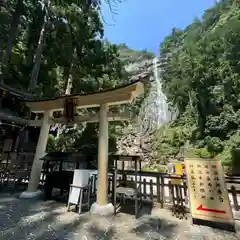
(158, 187)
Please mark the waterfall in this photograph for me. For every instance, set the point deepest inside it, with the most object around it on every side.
(163, 111)
(155, 110)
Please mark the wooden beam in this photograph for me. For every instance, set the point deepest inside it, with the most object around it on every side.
(35, 123)
(88, 118)
(7, 116)
(87, 101)
(112, 97)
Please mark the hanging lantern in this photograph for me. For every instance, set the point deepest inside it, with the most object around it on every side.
(70, 109)
(4, 92)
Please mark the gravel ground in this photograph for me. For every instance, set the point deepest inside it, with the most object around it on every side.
(34, 219)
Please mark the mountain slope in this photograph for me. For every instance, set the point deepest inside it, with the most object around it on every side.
(201, 76)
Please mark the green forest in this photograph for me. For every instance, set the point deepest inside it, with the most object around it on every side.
(201, 77)
(45, 43)
(51, 48)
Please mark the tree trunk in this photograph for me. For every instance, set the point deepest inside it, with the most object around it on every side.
(67, 92)
(38, 54)
(33, 37)
(69, 81)
(11, 38)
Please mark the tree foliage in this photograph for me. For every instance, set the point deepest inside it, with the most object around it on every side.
(71, 33)
(48, 45)
(201, 76)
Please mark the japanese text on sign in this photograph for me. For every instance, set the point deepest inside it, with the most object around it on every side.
(207, 190)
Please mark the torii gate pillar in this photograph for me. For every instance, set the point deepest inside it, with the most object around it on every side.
(102, 206)
(34, 180)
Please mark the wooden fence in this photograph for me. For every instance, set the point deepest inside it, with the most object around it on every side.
(158, 187)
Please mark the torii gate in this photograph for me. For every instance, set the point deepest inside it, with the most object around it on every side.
(117, 96)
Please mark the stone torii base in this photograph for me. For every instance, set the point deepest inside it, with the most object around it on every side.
(103, 210)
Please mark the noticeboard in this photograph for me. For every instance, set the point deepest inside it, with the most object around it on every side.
(207, 191)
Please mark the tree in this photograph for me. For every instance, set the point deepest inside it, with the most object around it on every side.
(11, 37)
(201, 77)
(59, 49)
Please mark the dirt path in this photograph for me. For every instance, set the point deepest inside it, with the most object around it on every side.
(28, 219)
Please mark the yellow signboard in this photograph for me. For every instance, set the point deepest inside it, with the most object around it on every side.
(208, 192)
(178, 171)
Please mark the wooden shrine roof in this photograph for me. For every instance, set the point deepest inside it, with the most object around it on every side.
(10, 117)
(15, 92)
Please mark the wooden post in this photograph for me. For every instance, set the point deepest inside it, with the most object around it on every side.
(114, 190)
(234, 196)
(171, 191)
(158, 188)
(136, 192)
(102, 188)
(185, 191)
(144, 188)
(162, 192)
(151, 189)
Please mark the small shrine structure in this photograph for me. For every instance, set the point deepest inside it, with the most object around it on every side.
(70, 104)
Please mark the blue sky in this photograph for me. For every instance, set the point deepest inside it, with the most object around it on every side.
(143, 24)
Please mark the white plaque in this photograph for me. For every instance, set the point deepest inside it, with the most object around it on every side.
(80, 179)
(74, 195)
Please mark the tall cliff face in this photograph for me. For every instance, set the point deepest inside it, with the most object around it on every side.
(136, 138)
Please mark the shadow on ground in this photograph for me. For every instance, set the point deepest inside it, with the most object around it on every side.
(38, 220)
(155, 228)
(35, 219)
(28, 219)
(129, 208)
(97, 233)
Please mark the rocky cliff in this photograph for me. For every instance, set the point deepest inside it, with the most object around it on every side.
(137, 136)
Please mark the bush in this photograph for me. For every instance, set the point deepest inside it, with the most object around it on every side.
(155, 168)
(198, 152)
(214, 145)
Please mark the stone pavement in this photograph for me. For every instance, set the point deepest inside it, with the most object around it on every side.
(38, 220)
